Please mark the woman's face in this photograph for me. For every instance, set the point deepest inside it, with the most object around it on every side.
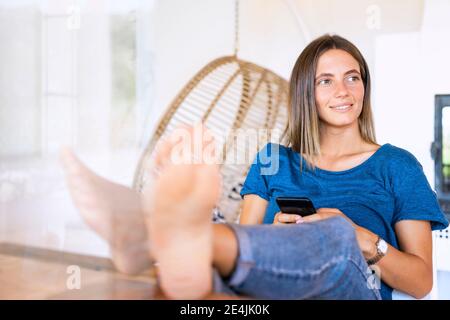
(339, 89)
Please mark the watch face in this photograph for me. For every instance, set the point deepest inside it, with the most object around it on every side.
(383, 246)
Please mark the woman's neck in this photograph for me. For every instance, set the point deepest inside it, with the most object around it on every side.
(341, 141)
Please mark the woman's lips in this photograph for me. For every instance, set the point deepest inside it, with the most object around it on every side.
(342, 107)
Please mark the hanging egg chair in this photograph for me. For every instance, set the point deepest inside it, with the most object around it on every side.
(226, 95)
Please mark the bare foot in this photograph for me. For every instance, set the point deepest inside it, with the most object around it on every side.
(112, 210)
(179, 207)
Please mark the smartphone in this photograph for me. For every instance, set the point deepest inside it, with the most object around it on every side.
(296, 205)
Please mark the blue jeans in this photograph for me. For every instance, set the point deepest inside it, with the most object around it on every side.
(319, 260)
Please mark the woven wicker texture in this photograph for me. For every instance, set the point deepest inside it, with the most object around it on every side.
(226, 95)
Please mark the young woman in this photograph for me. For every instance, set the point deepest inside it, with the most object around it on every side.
(333, 159)
(373, 202)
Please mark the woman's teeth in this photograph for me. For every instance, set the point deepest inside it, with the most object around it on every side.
(342, 107)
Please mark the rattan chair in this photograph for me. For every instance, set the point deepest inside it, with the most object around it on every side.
(227, 94)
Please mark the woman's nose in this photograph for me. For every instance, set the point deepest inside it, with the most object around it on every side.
(341, 89)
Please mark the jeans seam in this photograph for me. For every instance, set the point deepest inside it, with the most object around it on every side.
(302, 273)
(365, 276)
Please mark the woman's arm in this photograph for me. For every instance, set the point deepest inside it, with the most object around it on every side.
(253, 209)
(409, 269)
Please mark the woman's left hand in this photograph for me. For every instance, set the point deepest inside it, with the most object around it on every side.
(366, 239)
(326, 213)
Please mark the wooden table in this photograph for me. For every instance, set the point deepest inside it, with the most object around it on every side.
(36, 273)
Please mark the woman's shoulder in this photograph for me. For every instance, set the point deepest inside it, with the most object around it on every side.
(400, 156)
(275, 148)
(275, 153)
(400, 162)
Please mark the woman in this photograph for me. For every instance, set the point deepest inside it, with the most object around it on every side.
(334, 160)
(321, 258)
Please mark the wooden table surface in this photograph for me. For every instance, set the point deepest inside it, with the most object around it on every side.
(36, 273)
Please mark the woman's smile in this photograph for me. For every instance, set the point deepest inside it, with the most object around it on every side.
(342, 107)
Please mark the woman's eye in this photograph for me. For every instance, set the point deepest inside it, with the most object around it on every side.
(324, 82)
(353, 78)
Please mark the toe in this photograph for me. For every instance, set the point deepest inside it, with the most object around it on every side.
(161, 154)
(70, 162)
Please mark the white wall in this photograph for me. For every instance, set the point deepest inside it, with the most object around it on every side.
(20, 82)
(410, 68)
(188, 35)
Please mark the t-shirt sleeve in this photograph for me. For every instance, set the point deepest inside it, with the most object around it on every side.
(414, 197)
(256, 181)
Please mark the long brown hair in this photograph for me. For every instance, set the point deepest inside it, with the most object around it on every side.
(302, 131)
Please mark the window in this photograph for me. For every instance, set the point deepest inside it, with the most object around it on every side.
(441, 150)
(69, 77)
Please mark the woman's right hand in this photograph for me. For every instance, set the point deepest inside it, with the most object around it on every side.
(287, 218)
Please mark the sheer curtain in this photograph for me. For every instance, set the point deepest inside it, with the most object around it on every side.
(69, 77)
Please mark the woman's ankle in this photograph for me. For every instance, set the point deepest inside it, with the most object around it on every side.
(225, 249)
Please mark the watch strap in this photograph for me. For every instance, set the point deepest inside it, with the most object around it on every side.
(379, 254)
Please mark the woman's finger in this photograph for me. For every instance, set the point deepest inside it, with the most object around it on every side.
(288, 218)
(326, 213)
(275, 218)
(314, 217)
(329, 210)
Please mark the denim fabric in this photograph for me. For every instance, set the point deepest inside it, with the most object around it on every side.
(319, 260)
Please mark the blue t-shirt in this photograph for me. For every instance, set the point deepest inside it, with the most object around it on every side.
(388, 187)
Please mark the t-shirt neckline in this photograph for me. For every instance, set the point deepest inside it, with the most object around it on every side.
(361, 165)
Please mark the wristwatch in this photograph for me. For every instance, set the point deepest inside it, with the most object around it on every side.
(382, 248)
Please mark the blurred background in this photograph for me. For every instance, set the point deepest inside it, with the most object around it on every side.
(97, 75)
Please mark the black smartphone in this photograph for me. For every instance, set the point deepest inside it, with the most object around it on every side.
(296, 205)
